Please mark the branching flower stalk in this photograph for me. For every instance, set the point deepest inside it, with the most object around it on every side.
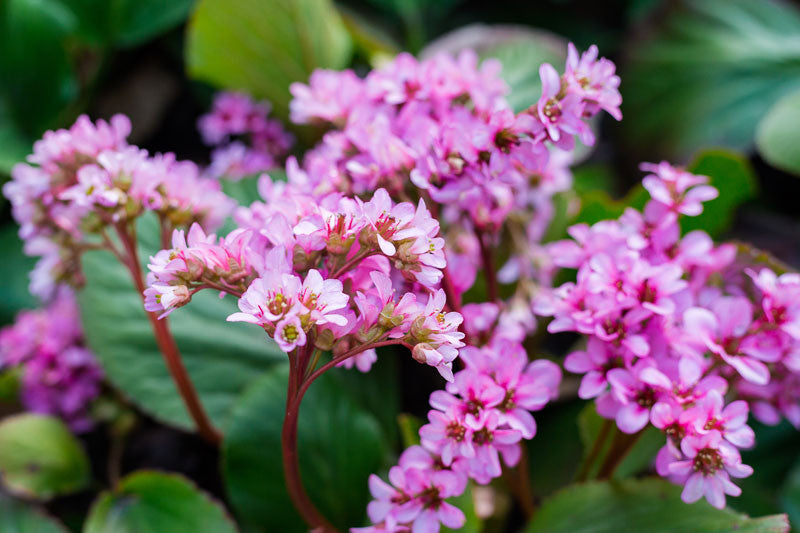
(86, 182)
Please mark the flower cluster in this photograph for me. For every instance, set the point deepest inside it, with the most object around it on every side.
(482, 416)
(676, 332)
(246, 140)
(59, 375)
(444, 126)
(322, 270)
(86, 179)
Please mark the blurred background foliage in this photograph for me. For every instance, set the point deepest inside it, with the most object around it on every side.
(712, 84)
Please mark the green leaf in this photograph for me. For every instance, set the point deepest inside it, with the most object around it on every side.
(778, 136)
(126, 22)
(708, 74)
(558, 440)
(36, 75)
(14, 269)
(152, 502)
(651, 505)
(735, 179)
(16, 517)
(339, 445)
(263, 46)
(637, 459)
(790, 496)
(40, 458)
(221, 357)
(772, 460)
(14, 146)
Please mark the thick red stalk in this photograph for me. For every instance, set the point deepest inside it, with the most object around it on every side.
(296, 389)
(169, 349)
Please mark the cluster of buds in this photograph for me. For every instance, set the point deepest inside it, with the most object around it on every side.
(319, 272)
(82, 181)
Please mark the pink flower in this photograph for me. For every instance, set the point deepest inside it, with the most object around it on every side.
(447, 435)
(289, 333)
(709, 465)
(730, 420)
(722, 329)
(594, 80)
(781, 299)
(560, 115)
(678, 190)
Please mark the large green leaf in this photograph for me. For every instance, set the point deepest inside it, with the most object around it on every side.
(14, 146)
(651, 505)
(708, 74)
(778, 136)
(554, 453)
(735, 179)
(152, 502)
(126, 22)
(16, 517)
(40, 458)
(14, 268)
(263, 46)
(339, 445)
(789, 492)
(221, 357)
(36, 76)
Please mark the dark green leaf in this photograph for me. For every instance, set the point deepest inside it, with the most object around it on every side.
(554, 454)
(790, 496)
(377, 391)
(14, 146)
(16, 517)
(778, 136)
(708, 74)
(151, 502)
(35, 72)
(40, 458)
(651, 505)
(339, 445)
(221, 357)
(772, 459)
(127, 22)
(263, 46)
(735, 179)
(14, 269)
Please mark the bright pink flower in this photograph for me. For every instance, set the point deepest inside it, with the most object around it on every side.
(710, 464)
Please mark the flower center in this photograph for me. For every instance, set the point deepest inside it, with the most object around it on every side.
(707, 461)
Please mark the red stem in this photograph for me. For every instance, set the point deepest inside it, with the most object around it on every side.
(169, 349)
(488, 265)
(296, 389)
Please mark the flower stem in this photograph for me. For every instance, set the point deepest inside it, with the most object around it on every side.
(488, 266)
(597, 447)
(620, 447)
(297, 387)
(169, 349)
(291, 464)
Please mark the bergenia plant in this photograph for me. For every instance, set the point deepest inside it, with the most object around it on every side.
(419, 220)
